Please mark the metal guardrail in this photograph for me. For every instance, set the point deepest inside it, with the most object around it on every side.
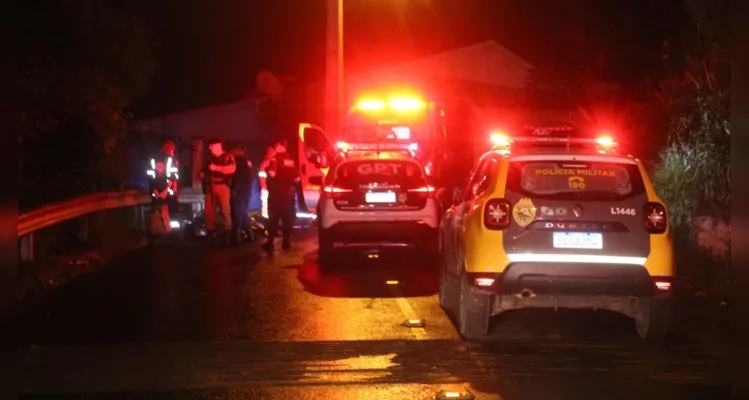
(50, 215)
(67, 210)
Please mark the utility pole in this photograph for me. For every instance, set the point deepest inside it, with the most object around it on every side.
(334, 67)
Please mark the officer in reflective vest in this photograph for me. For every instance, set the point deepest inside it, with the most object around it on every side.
(172, 175)
(283, 178)
(159, 185)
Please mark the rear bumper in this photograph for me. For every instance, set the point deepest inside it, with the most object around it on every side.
(623, 288)
(560, 279)
(329, 216)
(374, 232)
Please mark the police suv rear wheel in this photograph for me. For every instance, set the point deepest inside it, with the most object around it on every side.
(474, 311)
(654, 324)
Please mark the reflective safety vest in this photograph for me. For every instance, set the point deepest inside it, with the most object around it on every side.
(172, 174)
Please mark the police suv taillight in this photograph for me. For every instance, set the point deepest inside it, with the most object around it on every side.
(497, 214)
(330, 191)
(655, 218)
(427, 191)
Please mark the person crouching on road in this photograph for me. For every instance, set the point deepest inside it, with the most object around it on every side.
(221, 167)
(282, 178)
(241, 188)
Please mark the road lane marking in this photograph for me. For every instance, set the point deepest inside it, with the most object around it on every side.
(407, 311)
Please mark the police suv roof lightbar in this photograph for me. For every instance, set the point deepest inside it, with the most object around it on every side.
(504, 143)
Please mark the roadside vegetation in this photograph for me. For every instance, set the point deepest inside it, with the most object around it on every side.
(81, 65)
(692, 173)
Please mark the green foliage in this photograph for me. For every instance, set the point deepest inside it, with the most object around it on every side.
(693, 173)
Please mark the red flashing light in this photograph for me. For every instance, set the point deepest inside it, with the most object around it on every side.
(405, 104)
(604, 144)
(370, 105)
(605, 141)
(499, 138)
(396, 104)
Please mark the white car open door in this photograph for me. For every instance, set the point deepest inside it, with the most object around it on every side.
(314, 145)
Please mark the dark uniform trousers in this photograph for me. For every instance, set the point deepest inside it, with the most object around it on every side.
(219, 197)
(173, 205)
(240, 204)
(281, 207)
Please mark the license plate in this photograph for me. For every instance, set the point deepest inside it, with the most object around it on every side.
(380, 197)
(578, 240)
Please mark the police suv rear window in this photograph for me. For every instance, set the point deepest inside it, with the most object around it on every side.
(573, 179)
(379, 170)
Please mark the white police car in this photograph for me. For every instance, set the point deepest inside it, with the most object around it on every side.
(376, 198)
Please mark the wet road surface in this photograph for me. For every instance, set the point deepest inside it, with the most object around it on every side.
(190, 322)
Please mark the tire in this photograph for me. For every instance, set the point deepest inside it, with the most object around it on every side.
(325, 251)
(655, 323)
(448, 296)
(474, 311)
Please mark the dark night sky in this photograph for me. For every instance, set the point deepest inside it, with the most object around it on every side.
(211, 51)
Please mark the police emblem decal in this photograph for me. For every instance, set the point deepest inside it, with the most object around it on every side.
(524, 212)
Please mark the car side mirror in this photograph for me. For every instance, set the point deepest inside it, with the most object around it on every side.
(315, 180)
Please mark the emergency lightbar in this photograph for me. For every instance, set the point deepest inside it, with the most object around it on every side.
(603, 144)
(382, 146)
(396, 104)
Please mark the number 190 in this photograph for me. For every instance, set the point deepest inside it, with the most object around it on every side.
(576, 185)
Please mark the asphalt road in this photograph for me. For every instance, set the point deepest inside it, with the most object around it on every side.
(193, 322)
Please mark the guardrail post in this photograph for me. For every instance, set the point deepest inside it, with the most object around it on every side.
(27, 248)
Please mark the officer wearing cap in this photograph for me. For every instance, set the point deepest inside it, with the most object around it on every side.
(217, 178)
(282, 179)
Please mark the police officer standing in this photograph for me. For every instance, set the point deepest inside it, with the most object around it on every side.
(171, 170)
(282, 178)
(217, 176)
(159, 186)
(241, 187)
